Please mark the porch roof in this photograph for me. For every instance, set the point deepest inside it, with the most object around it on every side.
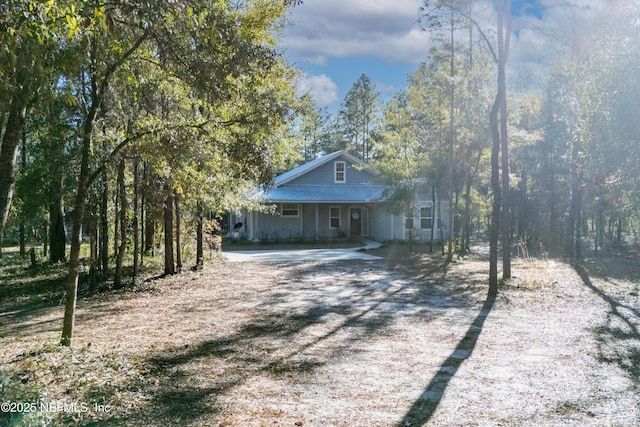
(324, 194)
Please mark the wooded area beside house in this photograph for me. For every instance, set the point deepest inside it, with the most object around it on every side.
(193, 91)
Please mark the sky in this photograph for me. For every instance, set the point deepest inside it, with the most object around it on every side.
(333, 42)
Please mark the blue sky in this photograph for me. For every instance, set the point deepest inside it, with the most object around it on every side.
(333, 42)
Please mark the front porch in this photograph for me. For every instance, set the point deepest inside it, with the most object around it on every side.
(306, 221)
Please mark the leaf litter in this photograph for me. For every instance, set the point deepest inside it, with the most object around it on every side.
(361, 343)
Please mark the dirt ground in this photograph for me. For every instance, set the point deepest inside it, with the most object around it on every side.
(349, 343)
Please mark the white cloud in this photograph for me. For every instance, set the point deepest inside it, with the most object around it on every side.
(320, 30)
(385, 89)
(355, 28)
(388, 29)
(323, 90)
(540, 38)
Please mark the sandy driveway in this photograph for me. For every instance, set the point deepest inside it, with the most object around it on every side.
(343, 254)
(342, 343)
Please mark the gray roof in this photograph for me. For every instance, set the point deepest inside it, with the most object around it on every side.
(325, 193)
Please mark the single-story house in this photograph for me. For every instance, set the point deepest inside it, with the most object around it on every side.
(335, 196)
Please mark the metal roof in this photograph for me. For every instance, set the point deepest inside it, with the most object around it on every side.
(324, 194)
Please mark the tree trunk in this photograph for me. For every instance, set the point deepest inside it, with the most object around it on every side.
(573, 227)
(169, 266)
(45, 238)
(116, 222)
(57, 230)
(104, 224)
(494, 226)
(200, 239)
(22, 238)
(176, 201)
(149, 221)
(23, 166)
(122, 247)
(142, 217)
(599, 232)
(504, 11)
(92, 230)
(149, 234)
(452, 138)
(505, 220)
(433, 217)
(619, 230)
(136, 236)
(466, 233)
(84, 181)
(8, 155)
(524, 219)
(79, 208)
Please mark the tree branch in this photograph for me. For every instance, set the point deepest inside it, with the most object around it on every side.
(475, 23)
(115, 152)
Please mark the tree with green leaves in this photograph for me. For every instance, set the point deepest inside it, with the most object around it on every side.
(591, 81)
(45, 179)
(313, 128)
(401, 158)
(217, 53)
(29, 60)
(499, 50)
(358, 116)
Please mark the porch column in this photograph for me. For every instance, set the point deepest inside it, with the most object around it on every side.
(317, 222)
(256, 225)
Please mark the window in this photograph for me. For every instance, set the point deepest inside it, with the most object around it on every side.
(290, 209)
(335, 217)
(408, 222)
(340, 171)
(426, 217)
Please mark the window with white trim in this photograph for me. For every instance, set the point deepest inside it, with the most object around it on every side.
(426, 217)
(340, 169)
(334, 217)
(290, 209)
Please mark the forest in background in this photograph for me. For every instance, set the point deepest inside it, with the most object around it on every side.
(573, 139)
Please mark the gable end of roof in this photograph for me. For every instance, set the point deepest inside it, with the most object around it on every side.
(313, 164)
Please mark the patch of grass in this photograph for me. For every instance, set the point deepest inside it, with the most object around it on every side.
(416, 256)
(20, 282)
(568, 408)
(78, 380)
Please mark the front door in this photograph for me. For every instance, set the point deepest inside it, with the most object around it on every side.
(355, 222)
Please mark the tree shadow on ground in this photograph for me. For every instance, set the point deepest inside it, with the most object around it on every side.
(425, 406)
(619, 338)
(285, 342)
(23, 286)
